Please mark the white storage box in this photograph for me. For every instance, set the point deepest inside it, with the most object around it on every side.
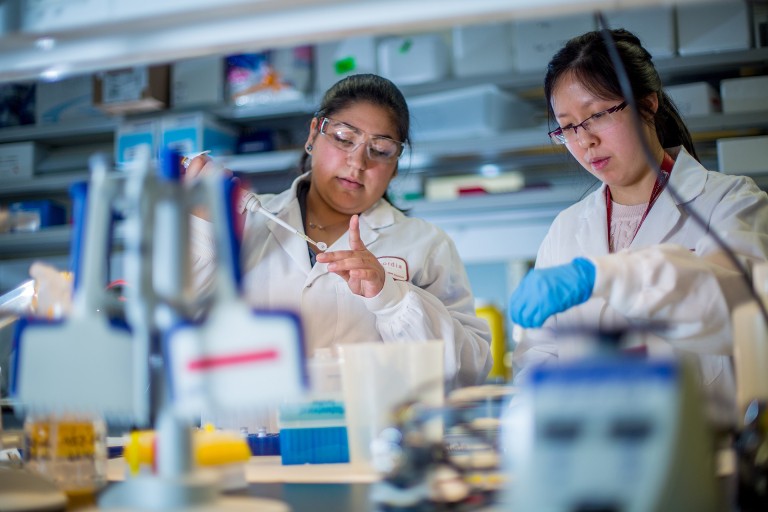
(483, 49)
(414, 59)
(66, 100)
(469, 112)
(743, 155)
(196, 131)
(131, 135)
(655, 26)
(744, 94)
(696, 99)
(334, 61)
(451, 187)
(52, 15)
(713, 27)
(536, 41)
(18, 161)
(196, 82)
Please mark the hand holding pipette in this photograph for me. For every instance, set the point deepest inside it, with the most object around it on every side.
(252, 204)
(187, 159)
(197, 167)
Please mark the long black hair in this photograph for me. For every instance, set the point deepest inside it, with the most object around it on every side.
(586, 58)
(369, 88)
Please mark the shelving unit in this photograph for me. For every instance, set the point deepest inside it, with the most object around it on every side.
(526, 150)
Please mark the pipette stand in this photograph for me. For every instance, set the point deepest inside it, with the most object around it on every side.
(156, 230)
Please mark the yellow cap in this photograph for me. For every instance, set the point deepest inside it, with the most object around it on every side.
(215, 448)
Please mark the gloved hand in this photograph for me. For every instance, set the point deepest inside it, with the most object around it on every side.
(547, 291)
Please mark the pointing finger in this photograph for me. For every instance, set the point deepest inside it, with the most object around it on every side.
(355, 242)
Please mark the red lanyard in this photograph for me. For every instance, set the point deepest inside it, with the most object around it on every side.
(666, 167)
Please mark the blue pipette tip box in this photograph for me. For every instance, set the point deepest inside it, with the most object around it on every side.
(313, 433)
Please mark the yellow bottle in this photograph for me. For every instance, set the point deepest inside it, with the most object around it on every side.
(499, 371)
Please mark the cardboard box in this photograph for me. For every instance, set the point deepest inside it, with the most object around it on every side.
(196, 82)
(696, 99)
(197, 131)
(18, 161)
(743, 155)
(66, 100)
(483, 49)
(133, 90)
(415, 59)
(713, 27)
(655, 26)
(134, 134)
(744, 94)
(536, 41)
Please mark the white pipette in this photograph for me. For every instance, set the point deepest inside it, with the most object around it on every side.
(252, 204)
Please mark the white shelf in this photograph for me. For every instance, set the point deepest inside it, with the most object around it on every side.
(51, 240)
(267, 110)
(42, 184)
(272, 161)
(741, 121)
(62, 130)
(147, 36)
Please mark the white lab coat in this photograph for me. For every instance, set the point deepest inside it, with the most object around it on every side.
(672, 272)
(433, 301)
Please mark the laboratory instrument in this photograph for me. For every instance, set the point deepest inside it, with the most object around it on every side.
(610, 432)
(251, 203)
(107, 388)
(120, 369)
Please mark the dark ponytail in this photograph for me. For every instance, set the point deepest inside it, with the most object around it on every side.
(586, 58)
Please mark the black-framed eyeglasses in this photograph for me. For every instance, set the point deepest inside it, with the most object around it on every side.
(593, 124)
(348, 138)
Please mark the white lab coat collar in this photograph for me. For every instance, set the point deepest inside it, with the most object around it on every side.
(286, 207)
(688, 179)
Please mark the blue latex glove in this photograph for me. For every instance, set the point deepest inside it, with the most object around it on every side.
(545, 292)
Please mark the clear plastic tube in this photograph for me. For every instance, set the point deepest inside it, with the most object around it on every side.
(252, 204)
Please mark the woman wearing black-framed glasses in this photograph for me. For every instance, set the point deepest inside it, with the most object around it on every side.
(631, 252)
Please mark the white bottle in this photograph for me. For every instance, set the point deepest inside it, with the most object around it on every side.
(324, 375)
(750, 344)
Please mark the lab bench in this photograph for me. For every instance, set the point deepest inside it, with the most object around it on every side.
(308, 487)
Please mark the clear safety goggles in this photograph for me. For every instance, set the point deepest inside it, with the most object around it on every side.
(348, 138)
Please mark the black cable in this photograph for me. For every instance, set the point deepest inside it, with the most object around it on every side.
(629, 97)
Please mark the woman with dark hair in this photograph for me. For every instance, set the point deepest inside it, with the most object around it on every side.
(384, 276)
(630, 253)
